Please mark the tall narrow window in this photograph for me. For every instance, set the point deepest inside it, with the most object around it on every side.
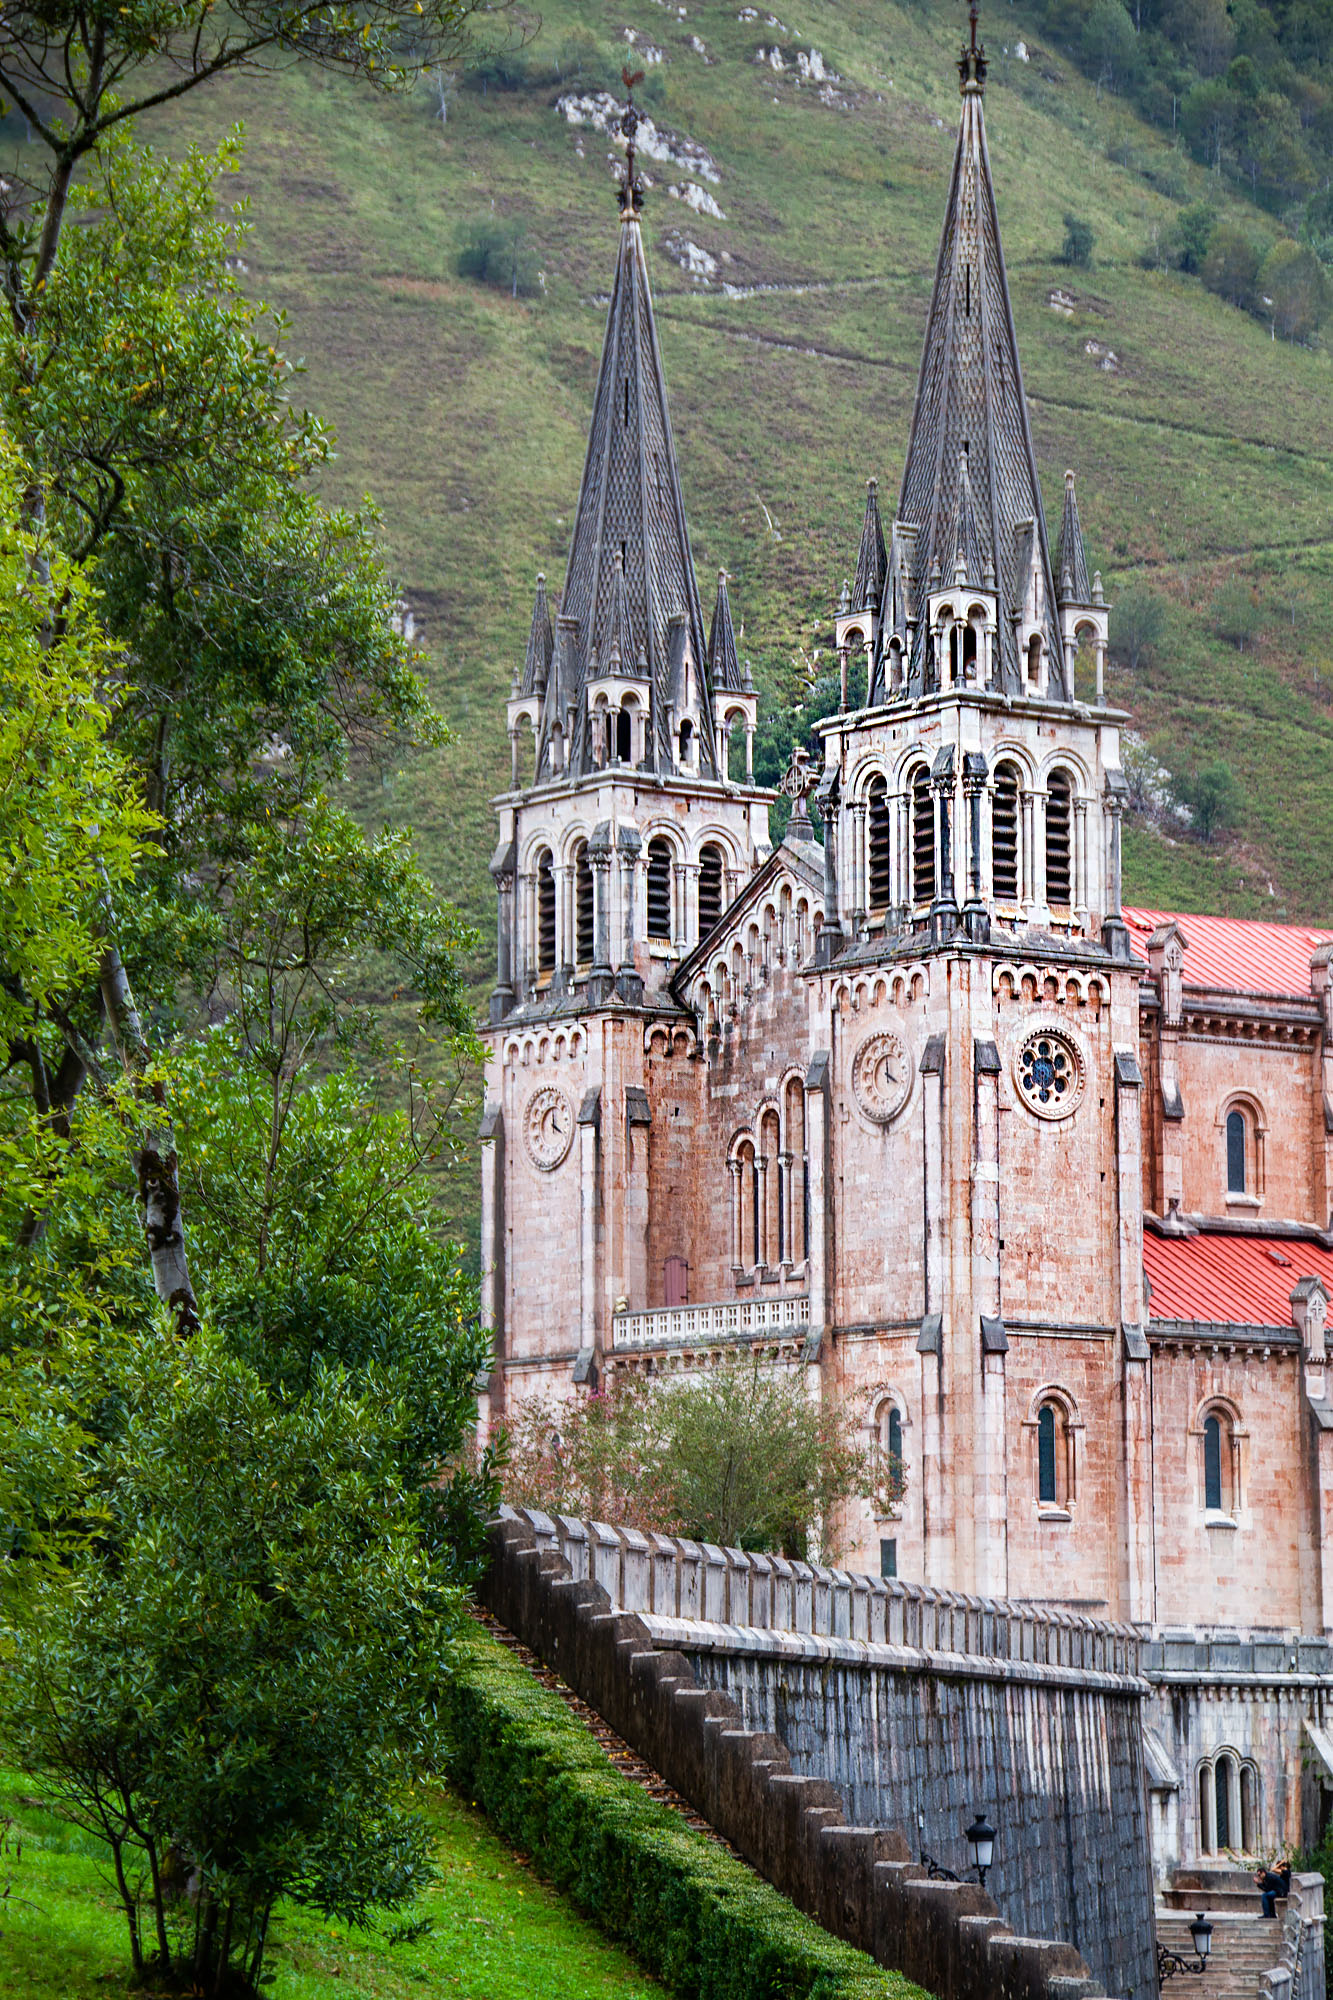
(1212, 1464)
(545, 912)
(1047, 1487)
(686, 744)
(1235, 1152)
(878, 871)
(625, 737)
(894, 1439)
(659, 889)
(923, 837)
(1058, 814)
(1247, 1809)
(1004, 834)
(1222, 1797)
(1206, 1838)
(710, 887)
(583, 905)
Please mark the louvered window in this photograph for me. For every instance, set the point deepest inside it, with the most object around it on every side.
(545, 912)
(878, 838)
(710, 888)
(1004, 834)
(1058, 816)
(923, 838)
(659, 889)
(583, 904)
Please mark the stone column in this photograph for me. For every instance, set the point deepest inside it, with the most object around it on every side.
(589, 1128)
(944, 910)
(629, 845)
(1027, 887)
(599, 860)
(976, 917)
(565, 942)
(818, 1148)
(859, 870)
(937, 1518)
(1136, 1484)
(1115, 931)
(502, 999)
(492, 1255)
(737, 1217)
(992, 1472)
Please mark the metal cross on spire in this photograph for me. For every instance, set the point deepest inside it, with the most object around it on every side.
(972, 62)
(631, 193)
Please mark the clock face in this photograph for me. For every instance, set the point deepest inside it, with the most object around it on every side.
(548, 1127)
(881, 1077)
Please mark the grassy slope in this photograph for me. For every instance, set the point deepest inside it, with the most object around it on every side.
(498, 1933)
(1209, 452)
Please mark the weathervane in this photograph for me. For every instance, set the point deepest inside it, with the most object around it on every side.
(972, 62)
(631, 194)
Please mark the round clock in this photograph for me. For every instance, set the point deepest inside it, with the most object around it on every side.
(548, 1127)
(881, 1077)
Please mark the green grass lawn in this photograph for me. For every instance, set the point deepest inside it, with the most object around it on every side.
(497, 1932)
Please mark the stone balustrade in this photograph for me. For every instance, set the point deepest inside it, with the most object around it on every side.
(710, 1325)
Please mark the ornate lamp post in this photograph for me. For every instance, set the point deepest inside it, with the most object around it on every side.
(1169, 1963)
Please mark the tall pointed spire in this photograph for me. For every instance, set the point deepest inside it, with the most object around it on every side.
(630, 566)
(1071, 557)
(723, 662)
(970, 418)
(871, 562)
(541, 644)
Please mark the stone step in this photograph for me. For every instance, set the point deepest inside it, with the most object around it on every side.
(1244, 1947)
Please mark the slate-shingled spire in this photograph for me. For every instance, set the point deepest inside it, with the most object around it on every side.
(630, 506)
(541, 644)
(724, 664)
(970, 403)
(871, 562)
(1071, 558)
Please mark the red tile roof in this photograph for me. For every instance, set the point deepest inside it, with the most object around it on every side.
(1234, 955)
(1241, 1280)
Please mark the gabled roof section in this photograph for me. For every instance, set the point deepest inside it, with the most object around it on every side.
(541, 644)
(970, 403)
(630, 505)
(1216, 1279)
(1071, 557)
(1236, 955)
(723, 662)
(801, 860)
(871, 561)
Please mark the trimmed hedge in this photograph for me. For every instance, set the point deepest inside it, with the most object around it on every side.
(702, 1921)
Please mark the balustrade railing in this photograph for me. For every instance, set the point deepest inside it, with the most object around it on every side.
(700, 1326)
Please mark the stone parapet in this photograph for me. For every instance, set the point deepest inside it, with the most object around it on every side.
(671, 1577)
(1267, 1654)
(790, 1822)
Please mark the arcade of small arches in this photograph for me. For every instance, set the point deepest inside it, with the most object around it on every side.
(661, 892)
(619, 723)
(769, 1170)
(1228, 1796)
(781, 932)
(1032, 843)
(963, 648)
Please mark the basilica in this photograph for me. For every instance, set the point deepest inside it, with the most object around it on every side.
(1039, 1183)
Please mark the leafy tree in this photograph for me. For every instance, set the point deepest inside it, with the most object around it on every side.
(1078, 243)
(1294, 290)
(1137, 626)
(1110, 47)
(1231, 267)
(1214, 798)
(1236, 614)
(497, 254)
(742, 1457)
(1192, 235)
(233, 1686)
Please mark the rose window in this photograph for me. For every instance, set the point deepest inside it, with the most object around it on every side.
(1050, 1075)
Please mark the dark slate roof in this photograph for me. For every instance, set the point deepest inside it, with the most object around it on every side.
(541, 644)
(965, 538)
(871, 562)
(970, 400)
(723, 662)
(1071, 558)
(630, 505)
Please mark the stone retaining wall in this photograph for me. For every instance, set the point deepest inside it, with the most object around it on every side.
(779, 1733)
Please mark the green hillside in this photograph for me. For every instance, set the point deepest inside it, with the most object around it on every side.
(1205, 452)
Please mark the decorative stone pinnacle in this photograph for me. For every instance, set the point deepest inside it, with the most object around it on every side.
(972, 62)
(796, 784)
(630, 193)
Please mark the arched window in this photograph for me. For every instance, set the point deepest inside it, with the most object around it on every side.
(770, 1191)
(545, 912)
(686, 744)
(893, 1438)
(625, 737)
(584, 935)
(879, 882)
(1222, 1771)
(1059, 794)
(710, 887)
(1236, 1152)
(1247, 1790)
(1034, 660)
(969, 651)
(1228, 1804)
(1219, 1463)
(923, 837)
(1004, 833)
(744, 1207)
(659, 889)
(1054, 1484)
(796, 1175)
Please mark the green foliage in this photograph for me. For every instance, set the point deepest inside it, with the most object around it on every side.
(1294, 290)
(497, 254)
(234, 1686)
(1137, 625)
(1214, 798)
(1079, 240)
(741, 1457)
(1231, 266)
(696, 1916)
(1236, 616)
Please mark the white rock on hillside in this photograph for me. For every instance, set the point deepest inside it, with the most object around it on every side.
(600, 110)
(696, 198)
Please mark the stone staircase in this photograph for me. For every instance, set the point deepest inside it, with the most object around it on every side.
(1244, 1949)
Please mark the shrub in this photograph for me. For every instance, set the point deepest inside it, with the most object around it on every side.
(1231, 267)
(497, 253)
(1293, 290)
(1192, 235)
(1138, 620)
(1078, 242)
(1214, 798)
(697, 1917)
(1236, 616)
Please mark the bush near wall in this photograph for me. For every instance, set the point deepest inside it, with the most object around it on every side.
(702, 1921)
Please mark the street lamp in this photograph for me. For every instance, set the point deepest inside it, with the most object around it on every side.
(980, 1840)
(1169, 1963)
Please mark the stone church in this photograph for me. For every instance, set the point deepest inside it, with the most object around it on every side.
(1040, 1182)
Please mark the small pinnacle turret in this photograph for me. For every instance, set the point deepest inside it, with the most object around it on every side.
(1071, 557)
(541, 644)
(871, 562)
(723, 662)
